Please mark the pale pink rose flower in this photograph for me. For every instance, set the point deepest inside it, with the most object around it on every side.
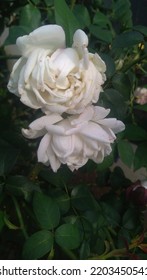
(141, 95)
(76, 139)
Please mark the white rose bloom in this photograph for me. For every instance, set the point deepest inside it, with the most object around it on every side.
(55, 78)
(76, 139)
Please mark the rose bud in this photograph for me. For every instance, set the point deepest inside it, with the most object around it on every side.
(137, 193)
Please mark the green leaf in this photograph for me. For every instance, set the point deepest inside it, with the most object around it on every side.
(127, 39)
(118, 179)
(142, 29)
(21, 186)
(126, 152)
(140, 158)
(110, 65)
(84, 250)
(65, 17)
(107, 162)
(130, 219)
(121, 82)
(84, 227)
(68, 236)
(63, 201)
(101, 19)
(123, 13)
(8, 157)
(36, 1)
(15, 32)
(141, 107)
(49, 2)
(30, 17)
(58, 179)
(135, 133)
(82, 15)
(37, 245)
(46, 210)
(9, 224)
(82, 199)
(113, 100)
(110, 214)
(101, 33)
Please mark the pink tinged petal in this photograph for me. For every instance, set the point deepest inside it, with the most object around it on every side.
(37, 127)
(32, 134)
(95, 132)
(99, 157)
(62, 146)
(99, 113)
(118, 127)
(46, 155)
(42, 122)
(114, 124)
(86, 115)
(55, 129)
(76, 129)
(53, 160)
(49, 37)
(74, 163)
(42, 150)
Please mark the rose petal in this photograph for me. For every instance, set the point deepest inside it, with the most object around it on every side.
(46, 37)
(80, 39)
(86, 115)
(99, 113)
(14, 77)
(32, 134)
(44, 121)
(95, 132)
(42, 150)
(64, 63)
(99, 63)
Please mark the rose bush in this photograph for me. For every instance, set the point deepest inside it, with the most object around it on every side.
(101, 208)
(76, 139)
(55, 78)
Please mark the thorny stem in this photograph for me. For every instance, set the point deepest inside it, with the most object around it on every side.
(110, 239)
(114, 253)
(22, 226)
(73, 2)
(35, 171)
(135, 61)
(69, 253)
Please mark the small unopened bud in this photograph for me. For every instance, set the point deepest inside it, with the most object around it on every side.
(137, 193)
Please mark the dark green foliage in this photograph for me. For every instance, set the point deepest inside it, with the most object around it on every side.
(86, 214)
